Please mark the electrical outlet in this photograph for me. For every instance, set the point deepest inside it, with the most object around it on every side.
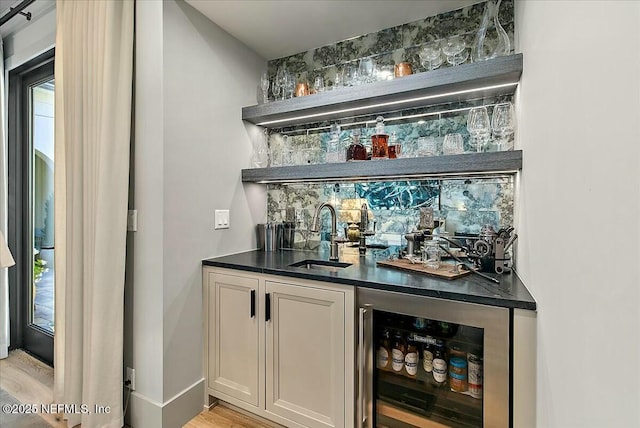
(130, 379)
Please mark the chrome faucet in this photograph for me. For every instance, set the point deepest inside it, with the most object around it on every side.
(315, 227)
(364, 225)
(364, 229)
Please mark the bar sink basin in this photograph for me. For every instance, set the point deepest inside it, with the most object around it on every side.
(324, 265)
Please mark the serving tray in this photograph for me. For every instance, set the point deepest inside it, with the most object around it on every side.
(444, 271)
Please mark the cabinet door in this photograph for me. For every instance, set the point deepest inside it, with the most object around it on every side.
(305, 338)
(233, 340)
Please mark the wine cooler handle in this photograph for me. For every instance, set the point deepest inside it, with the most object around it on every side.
(364, 337)
(253, 303)
(267, 307)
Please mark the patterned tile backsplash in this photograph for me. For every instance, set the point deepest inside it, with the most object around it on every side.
(394, 207)
(392, 45)
(466, 204)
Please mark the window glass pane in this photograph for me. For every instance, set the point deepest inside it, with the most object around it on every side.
(42, 135)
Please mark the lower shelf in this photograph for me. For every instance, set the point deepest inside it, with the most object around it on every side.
(468, 164)
(422, 399)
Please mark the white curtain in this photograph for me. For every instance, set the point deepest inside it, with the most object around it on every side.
(93, 78)
(4, 287)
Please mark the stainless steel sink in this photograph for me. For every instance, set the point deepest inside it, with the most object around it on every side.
(324, 265)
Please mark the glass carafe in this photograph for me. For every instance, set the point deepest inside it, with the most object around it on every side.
(491, 39)
(379, 141)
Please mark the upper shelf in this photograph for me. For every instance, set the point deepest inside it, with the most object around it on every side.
(498, 76)
(469, 164)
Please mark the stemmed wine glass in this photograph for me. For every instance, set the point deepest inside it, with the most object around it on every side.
(479, 127)
(264, 85)
(431, 56)
(454, 48)
(503, 124)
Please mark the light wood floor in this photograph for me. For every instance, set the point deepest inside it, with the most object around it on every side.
(31, 382)
(223, 417)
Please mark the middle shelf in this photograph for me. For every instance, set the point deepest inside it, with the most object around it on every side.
(468, 164)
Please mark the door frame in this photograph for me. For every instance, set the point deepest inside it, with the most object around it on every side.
(23, 334)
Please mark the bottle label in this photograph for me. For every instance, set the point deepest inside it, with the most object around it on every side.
(427, 361)
(397, 360)
(439, 370)
(411, 363)
(383, 357)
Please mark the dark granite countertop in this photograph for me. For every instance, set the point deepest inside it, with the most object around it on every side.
(510, 293)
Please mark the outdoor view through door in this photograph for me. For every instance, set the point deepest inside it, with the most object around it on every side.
(42, 134)
(31, 205)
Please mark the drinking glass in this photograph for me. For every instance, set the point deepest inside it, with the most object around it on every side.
(427, 146)
(454, 48)
(318, 84)
(351, 75)
(280, 81)
(453, 144)
(289, 85)
(503, 124)
(366, 70)
(431, 55)
(264, 85)
(479, 127)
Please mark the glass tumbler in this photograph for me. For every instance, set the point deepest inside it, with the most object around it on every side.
(431, 254)
(453, 144)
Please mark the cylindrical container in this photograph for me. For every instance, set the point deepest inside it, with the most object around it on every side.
(427, 358)
(458, 374)
(379, 146)
(288, 234)
(439, 363)
(439, 370)
(383, 357)
(397, 352)
(356, 151)
(431, 255)
(411, 359)
(475, 375)
(270, 236)
(302, 89)
(402, 69)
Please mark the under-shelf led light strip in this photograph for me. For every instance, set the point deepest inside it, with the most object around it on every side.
(386, 104)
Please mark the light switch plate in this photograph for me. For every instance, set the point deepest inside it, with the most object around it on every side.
(221, 219)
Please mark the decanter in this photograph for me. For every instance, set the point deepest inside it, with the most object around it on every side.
(379, 140)
(491, 39)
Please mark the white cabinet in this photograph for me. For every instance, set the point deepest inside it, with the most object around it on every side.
(233, 363)
(293, 361)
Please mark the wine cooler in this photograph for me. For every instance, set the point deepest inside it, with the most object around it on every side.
(425, 362)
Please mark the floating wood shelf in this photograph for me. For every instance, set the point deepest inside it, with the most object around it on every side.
(498, 76)
(469, 164)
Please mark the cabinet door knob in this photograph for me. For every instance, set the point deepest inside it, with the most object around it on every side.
(267, 307)
(253, 303)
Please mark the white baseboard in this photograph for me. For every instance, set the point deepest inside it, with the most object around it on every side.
(174, 413)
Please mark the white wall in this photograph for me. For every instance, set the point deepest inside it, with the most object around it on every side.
(579, 206)
(31, 38)
(208, 77)
(192, 80)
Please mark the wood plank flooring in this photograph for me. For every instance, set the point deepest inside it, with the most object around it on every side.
(31, 382)
(223, 417)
